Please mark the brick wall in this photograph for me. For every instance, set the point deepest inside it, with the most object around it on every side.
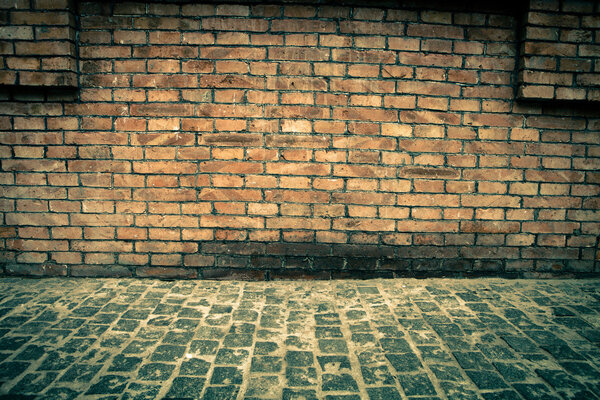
(274, 141)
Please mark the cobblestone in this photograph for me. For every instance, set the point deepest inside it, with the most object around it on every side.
(429, 339)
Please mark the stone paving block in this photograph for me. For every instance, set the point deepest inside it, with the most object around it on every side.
(382, 339)
(431, 354)
(226, 376)
(80, 373)
(495, 352)
(126, 325)
(137, 391)
(486, 379)
(188, 325)
(341, 382)
(61, 393)
(514, 371)
(168, 353)
(186, 387)
(446, 372)
(559, 379)
(336, 346)
(238, 340)
(460, 390)
(267, 364)
(322, 332)
(34, 383)
(122, 363)
(301, 376)
(472, 360)
(31, 353)
(204, 347)
(293, 394)
(112, 340)
(503, 395)
(395, 345)
(54, 361)
(13, 343)
(383, 393)
(264, 387)
(231, 356)
(265, 348)
(221, 392)
(581, 369)
(416, 384)
(155, 371)
(520, 344)
(531, 391)
(407, 362)
(379, 376)
(299, 358)
(109, 384)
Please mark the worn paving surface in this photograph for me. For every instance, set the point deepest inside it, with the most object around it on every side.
(379, 339)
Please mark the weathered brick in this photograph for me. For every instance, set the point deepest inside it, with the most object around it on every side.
(291, 25)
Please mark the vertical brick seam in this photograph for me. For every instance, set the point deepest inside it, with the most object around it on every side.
(287, 141)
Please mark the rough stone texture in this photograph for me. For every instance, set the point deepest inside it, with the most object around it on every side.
(120, 338)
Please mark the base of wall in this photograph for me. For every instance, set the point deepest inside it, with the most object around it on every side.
(398, 268)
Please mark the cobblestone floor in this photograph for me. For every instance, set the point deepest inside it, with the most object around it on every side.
(379, 339)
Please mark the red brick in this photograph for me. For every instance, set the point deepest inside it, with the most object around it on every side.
(363, 224)
(292, 25)
(36, 269)
(214, 221)
(235, 24)
(493, 174)
(295, 196)
(550, 176)
(426, 226)
(490, 201)
(363, 56)
(109, 271)
(365, 114)
(363, 171)
(371, 28)
(196, 260)
(230, 194)
(165, 247)
(549, 227)
(364, 198)
(104, 246)
(298, 223)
